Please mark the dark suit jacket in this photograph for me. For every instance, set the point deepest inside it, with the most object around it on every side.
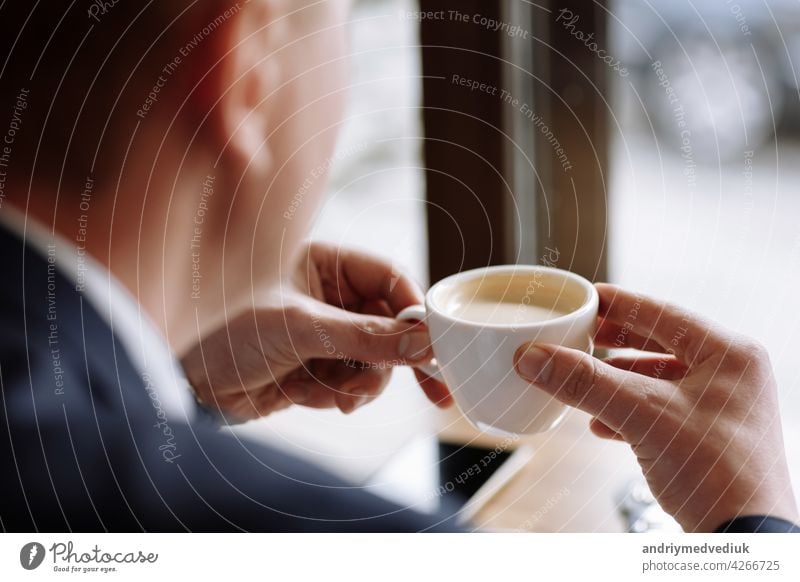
(82, 447)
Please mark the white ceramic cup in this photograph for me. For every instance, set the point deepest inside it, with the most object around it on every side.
(476, 359)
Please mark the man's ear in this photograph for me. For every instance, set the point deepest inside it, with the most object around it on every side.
(238, 76)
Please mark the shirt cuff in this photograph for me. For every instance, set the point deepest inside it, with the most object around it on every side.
(758, 524)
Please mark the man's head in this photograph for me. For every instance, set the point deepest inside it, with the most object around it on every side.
(154, 99)
(93, 71)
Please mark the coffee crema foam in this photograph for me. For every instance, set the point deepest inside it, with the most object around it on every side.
(511, 299)
(504, 312)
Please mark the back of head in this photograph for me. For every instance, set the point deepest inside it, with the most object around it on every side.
(73, 74)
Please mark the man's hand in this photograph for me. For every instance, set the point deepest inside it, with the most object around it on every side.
(701, 416)
(327, 338)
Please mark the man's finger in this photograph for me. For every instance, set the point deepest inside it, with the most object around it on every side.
(602, 430)
(620, 399)
(687, 335)
(436, 391)
(347, 387)
(613, 335)
(309, 393)
(665, 367)
(333, 333)
(361, 389)
(354, 275)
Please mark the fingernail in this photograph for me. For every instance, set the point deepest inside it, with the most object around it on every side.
(534, 364)
(360, 398)
(415, 346)
(297, 394)
(444, 403)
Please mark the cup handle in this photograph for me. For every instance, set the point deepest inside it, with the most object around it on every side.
(418, 313)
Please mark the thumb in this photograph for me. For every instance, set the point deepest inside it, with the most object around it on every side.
(618, 398)
(341, 334)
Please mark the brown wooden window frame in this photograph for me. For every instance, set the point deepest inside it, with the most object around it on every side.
(496, 190)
